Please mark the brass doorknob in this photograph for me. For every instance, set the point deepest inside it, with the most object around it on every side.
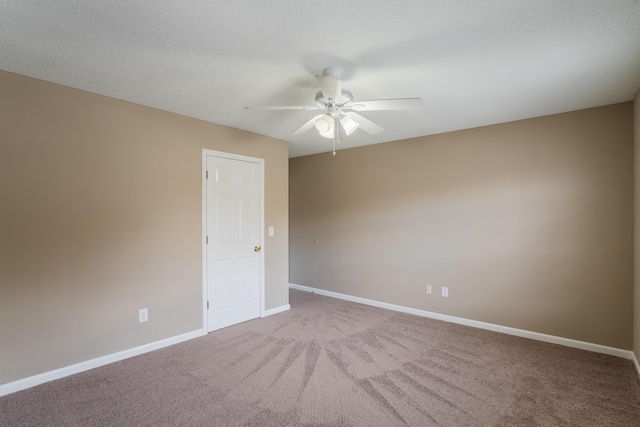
(257, 248)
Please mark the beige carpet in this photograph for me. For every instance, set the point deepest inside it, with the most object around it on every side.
(328, 362)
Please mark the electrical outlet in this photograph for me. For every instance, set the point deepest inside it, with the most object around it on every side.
(143, 315)
(429, 290)
(445, 292)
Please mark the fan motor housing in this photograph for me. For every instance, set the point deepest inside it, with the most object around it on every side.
(346, 98)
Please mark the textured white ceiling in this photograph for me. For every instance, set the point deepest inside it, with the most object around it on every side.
(473, 62)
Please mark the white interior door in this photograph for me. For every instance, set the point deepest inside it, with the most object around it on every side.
(233, 241)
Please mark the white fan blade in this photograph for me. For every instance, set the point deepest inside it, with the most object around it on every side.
(388, 104)
(365, 124)
(305, 127)
(283, 107)
(331, 87)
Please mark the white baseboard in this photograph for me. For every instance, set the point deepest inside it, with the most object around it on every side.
(35, 380)
(597, 348)
(275, 310)
(635, 361)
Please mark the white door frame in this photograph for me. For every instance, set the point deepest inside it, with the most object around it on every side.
(231, 156)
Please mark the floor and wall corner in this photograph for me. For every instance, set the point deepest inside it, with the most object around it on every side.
(530, 226)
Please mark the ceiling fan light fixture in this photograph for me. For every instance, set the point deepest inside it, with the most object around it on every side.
(324, 123)
(328, 133)
(349, 125)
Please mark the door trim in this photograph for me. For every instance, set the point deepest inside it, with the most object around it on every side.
(231, 156)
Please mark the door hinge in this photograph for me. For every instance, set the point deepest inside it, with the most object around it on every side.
(207, 305)
(207, 174)
(207, 240)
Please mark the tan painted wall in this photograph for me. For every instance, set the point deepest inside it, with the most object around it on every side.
(529, 224)
(636, 286)
(100, 215)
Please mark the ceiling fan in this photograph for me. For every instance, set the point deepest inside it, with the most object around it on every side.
(339, 108)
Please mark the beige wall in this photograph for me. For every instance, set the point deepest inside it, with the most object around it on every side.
(636, 288)
(100, 215)
(529, 224)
